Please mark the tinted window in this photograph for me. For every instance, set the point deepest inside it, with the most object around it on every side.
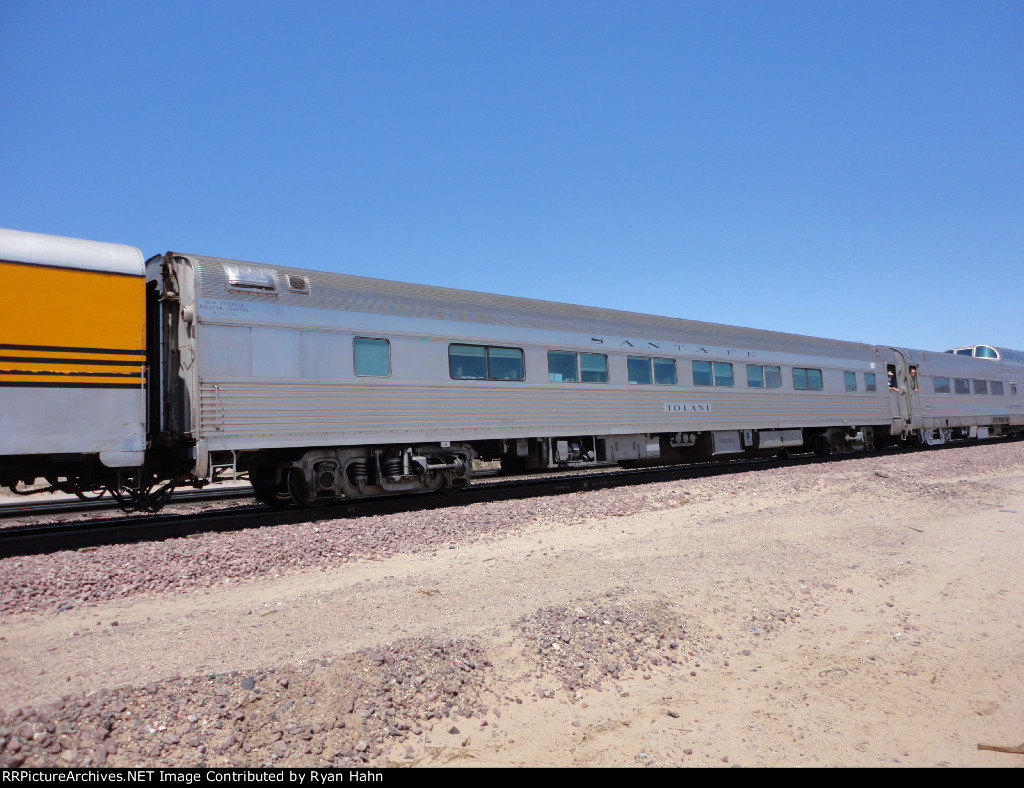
(702, 374)
(593, 368)
(807, 379)
(869, 382)
(980, 386)
(850, 381)
(940, 385)
(762, 377)
(505, 363)
(467, 362)
(665, 371)
(961, 386)
(372, 357)
(562, 366)
(479, 362)
(997, 387)
(639, 370)
(712, 373)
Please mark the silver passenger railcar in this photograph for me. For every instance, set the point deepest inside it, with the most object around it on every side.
(325, 385)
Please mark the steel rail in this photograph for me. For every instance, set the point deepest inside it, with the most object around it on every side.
(52, 537)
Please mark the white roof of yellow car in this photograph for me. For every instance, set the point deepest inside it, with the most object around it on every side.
(17, 246)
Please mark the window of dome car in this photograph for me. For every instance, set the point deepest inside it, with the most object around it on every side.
(762, 377)
(483, 362)
(372, 357)
(712, 373)
(940, 385)
(961, 386)
(996, 387)
(644, 371)
(805, 379)
(965, 351)
(980, 386)
(984, 351)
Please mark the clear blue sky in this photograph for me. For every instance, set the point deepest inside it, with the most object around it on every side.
(852, 170)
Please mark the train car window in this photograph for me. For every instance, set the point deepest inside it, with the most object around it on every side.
(665, 371)
(593, 368)
(1013, 389)
(980, 386)
(712, 373)
(850, 381)
(372, 357)
(940, 385)
(467, 362)
(702, 374)
(869, 382)
(996, 387)
(638, 369)
(762, 377)
(505, 363)
(984, 351)
(562, 367)
(805, 379)
(723, 373)
(965, 351)
(482, 362)
(961, 386)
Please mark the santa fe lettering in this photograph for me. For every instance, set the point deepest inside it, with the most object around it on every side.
(678, 347)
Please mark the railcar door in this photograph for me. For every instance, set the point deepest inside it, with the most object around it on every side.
(904, 394)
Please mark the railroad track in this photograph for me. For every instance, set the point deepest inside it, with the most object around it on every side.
(22, 508)
(51, 537)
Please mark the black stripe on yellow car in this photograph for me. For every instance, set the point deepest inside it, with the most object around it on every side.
(66, 385)
(56, 349)
(105, 362)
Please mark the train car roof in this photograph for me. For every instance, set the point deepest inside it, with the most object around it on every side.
(55, 251)
(364, 294)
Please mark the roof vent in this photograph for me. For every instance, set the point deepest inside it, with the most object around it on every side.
(298, 284)
(250, 277)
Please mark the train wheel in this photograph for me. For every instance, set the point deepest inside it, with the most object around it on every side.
(276, 496)
(299, 490)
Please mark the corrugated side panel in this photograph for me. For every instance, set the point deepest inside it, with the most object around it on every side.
(247, 414)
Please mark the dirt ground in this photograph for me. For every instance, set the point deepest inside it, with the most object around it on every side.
(861, 613)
